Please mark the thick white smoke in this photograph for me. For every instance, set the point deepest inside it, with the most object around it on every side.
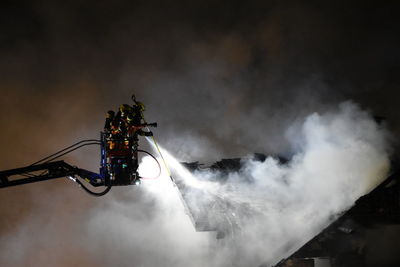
(273, 208)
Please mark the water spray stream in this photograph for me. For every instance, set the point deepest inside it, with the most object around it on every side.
(171, 161)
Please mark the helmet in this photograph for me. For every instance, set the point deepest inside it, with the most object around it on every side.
(140, 106)
(125, 108)
(110, 114)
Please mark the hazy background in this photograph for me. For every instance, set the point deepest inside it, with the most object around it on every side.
(222, 79)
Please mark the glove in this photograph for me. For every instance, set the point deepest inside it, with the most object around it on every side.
(148, 133)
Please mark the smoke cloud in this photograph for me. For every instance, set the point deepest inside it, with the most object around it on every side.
(274, 208)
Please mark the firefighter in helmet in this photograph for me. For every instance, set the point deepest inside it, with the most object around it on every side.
(109, 118)
(134, 121)
(123, 129)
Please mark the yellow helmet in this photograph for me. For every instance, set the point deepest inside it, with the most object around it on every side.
(125, 108)
(140, 106)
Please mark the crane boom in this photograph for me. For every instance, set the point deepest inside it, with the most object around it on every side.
(46, 171)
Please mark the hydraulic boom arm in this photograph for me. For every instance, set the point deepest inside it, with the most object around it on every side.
(47, 171)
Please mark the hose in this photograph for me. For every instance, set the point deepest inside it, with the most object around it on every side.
(48, 158)
(96, 194)
(102, 193)
(155, 143)
(69, 151)
(158, 163)
(165, 163)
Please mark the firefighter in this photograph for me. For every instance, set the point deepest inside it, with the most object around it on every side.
(115, 129)
(135, 121)
(122, 143)
(109, 119)
(128, 121)
(124, 111)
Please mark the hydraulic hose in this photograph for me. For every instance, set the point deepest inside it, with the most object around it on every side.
(96, 194)
(71, 150)
(158, 163)
(49, 158)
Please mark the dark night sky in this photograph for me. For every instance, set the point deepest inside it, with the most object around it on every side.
(281, 51)
(218, 72)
